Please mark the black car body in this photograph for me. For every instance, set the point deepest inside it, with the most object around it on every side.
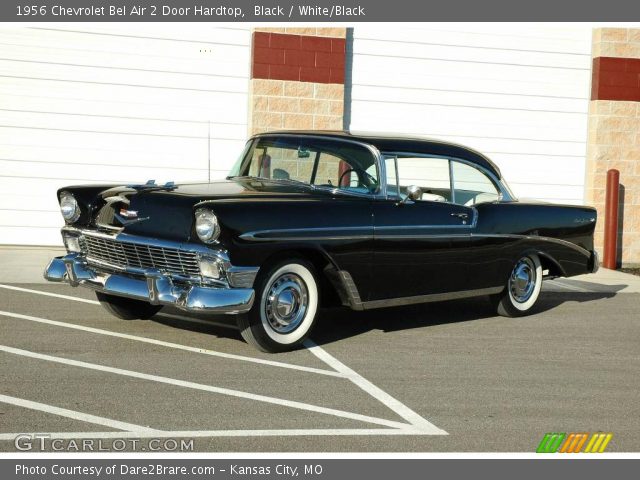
(370, 220)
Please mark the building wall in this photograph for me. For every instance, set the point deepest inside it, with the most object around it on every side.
(614, 133)
(297, 79)
(518, 94)
(113, 103)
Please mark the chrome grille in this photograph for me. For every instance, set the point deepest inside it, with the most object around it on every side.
(122, 255)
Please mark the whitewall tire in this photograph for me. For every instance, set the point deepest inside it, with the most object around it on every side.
(285, 307)
(522, 289)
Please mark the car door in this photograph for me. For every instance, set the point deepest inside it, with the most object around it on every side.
(421, 246)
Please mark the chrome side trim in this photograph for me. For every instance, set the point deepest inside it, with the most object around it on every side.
(559, 241)
(473, 224)
(288, 234)
(434, 297)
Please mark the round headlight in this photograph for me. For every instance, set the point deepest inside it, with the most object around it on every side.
(207, 226)
(69, 207)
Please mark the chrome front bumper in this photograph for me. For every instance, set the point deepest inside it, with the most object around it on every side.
(156, 288)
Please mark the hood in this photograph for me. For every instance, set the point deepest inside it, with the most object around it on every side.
(167, 211)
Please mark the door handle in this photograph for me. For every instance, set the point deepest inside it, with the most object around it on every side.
(463, 216)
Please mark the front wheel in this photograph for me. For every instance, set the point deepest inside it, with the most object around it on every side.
(522, 288)
(284, 309)
(127, 308)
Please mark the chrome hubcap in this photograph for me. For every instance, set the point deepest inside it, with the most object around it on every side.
(286, 304)
(523, 280)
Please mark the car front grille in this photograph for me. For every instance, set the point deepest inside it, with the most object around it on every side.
(109, 252)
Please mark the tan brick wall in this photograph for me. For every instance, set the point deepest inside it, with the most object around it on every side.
(295, 105)
(286, 105)
(614, 142)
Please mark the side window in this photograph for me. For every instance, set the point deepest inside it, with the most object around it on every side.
(471, 186)
(334, 172)
(430, 174)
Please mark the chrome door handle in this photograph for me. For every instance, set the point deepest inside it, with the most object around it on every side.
(463, 216)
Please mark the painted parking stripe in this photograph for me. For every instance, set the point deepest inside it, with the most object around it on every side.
(230, 356)
(401, 409)
(83, 417)
(226, 433)
(569, 287)
(49, 294)
(207, 388)
(95, 302)
(358, 380)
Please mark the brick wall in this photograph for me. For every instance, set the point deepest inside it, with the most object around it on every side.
(614, 132)
(297, 79)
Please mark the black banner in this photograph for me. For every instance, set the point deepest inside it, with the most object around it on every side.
(320, 469)
(349, 11)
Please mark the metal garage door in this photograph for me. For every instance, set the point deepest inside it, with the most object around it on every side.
(518, 93)
(113, 104)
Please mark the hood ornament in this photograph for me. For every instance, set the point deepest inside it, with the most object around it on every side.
(128, 217)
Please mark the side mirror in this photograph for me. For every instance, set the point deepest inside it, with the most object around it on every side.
(413, 193)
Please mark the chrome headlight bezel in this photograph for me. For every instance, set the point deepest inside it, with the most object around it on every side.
(207, 226)
(69, 207)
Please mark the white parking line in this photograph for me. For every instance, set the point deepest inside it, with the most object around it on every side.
(84, 417)
(176, 346)
(225, 433)
(49, 294)
(208, 388)
(417, 423)
(401, 409)
(569, 287)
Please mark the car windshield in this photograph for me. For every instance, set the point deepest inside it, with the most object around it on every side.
(335, 164)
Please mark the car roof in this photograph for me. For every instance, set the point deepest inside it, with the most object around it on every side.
(394, 142)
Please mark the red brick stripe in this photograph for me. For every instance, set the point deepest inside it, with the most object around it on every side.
(616, 79)
(301, 58)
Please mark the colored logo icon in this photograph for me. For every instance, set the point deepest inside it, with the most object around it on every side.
(574, 442)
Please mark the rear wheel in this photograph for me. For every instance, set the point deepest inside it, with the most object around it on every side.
(127, 308)
(284, 310)
(522, 288)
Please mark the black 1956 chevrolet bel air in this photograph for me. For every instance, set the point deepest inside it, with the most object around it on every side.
(307, 218)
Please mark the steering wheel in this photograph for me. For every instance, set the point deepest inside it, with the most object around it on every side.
(360, 173)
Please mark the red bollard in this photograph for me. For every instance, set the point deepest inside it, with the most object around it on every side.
(610, 259)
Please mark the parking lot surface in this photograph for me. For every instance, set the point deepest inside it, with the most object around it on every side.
(447, 376)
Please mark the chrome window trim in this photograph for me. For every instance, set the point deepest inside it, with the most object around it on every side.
(501, 186)
(382, 184)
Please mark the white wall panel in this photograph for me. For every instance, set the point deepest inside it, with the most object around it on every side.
(519, 94)
(114, 103)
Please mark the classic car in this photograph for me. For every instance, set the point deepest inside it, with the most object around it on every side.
(310, 218)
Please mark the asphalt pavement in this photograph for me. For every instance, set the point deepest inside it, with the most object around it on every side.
(447, 376)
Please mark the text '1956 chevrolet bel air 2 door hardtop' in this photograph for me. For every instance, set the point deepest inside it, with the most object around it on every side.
(307, 218)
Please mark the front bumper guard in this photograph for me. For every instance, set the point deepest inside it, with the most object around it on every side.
(156, 288)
